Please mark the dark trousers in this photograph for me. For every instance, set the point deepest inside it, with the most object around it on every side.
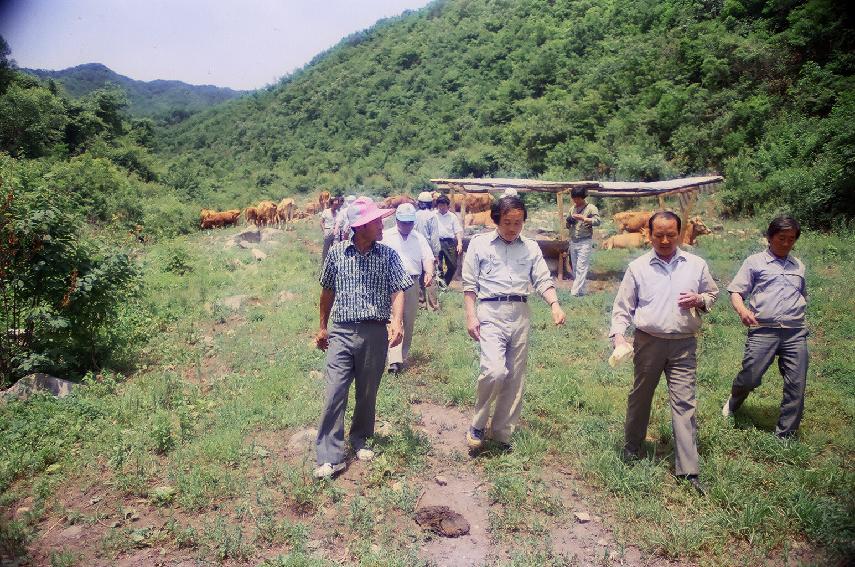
(676, 358)
(761, 347)
(447, 259)
(357, 351)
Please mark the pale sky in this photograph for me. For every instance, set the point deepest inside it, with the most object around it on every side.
(243, 44)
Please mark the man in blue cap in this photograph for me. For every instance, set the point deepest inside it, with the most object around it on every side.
(417, 257)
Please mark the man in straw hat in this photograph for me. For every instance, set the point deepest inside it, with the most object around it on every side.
(363, 285)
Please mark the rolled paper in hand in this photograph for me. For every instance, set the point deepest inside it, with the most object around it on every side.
(621, 353)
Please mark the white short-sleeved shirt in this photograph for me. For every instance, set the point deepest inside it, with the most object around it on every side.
(414, 250)
(448, 225)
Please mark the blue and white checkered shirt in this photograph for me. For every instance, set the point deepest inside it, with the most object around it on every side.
(363, 283)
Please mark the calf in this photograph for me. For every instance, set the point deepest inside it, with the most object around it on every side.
(631, 221)
(628, 241)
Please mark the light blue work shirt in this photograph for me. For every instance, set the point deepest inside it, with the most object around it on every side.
(648, 295)
(494, 267)
(775, 288)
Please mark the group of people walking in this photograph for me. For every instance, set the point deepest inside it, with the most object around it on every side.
(369, 300)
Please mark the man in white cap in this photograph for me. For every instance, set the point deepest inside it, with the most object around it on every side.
(426, 225)
(363, 285)
(342, 228)
(417, 258)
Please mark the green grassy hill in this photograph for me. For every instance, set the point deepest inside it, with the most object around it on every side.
(615, 89)
(171, 101)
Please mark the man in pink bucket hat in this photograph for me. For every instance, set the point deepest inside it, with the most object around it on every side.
(362, 292)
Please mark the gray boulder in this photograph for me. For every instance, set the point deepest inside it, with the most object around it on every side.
(38, 383)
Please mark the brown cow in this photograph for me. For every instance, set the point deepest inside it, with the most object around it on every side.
(215, 219)
(324, 200)
(284, 212)
(250, 215)
(312, 208)
(266, 213)
(479, 219)
(475, 202)
(631, 240)
(632, 221)
(393, 201)
(695, 228)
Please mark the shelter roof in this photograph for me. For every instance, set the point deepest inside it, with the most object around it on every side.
(600, 188)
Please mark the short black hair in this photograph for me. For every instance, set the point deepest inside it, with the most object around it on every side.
(506, 204)
(422, 206)
(783, 222)
(443, 199)
(578, 192)
(666, 215)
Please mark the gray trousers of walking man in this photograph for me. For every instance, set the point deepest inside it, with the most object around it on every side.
(676, 357)
(357, 352)
(761, 348)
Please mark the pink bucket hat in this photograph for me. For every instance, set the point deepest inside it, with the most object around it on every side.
(363, 210)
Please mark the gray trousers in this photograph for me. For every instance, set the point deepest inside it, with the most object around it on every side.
(504, 353)
(428, 299)
(401, 353)
(580, 261)
(357, 351)
(676, 357)
(329, 239)
(761, 347)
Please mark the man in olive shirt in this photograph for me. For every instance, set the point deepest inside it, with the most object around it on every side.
(774, 282)
(581, 221)
(661, 294)
(499, 271)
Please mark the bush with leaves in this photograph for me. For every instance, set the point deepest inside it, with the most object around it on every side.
(59, 290)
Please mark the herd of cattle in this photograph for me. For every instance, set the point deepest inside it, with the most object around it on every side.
(631, 225)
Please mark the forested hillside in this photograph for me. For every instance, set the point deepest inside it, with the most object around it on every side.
(167, 101)
(758, 90)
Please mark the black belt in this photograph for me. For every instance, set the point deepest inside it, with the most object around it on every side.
(518, 298)
(448, 240)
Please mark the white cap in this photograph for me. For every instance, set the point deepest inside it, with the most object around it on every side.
(349, 199)
(510, 192)
(406, 212)
(425, 197)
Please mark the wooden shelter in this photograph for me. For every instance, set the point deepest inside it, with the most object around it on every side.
(686, 189)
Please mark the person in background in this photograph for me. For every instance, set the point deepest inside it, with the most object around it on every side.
(328, 225)
(342, 228)
(426, 225)
(363, 283)
(450, 234)
(417, 258)
(661, 294)
(500, 270)
(774, 283)
(581, 221)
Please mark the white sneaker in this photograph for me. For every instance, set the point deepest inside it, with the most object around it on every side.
(327, 470)
(365, 455)
(725, 409)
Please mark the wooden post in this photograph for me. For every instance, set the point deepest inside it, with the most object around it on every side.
(463, 208)
(560, 198)
(661, 203)
(687, 202)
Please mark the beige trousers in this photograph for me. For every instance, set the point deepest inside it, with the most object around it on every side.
(676, 357)
(504, 353)
(400, 353)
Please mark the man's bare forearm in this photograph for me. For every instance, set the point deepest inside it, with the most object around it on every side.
(326, 303)
(398, 307)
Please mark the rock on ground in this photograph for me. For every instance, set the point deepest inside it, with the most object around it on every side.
(38, 382)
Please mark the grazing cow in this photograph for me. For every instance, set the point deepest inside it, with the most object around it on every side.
(631, 221)
(215, 219)
(284, 212)
(266, 213)
(393, 201)
(312, 208)
(695, 228)
(475, 202)
(324, 200)
(479, 219)
(630, 240)
(250, 215)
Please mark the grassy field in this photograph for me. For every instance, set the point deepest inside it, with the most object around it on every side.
(201, 453)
